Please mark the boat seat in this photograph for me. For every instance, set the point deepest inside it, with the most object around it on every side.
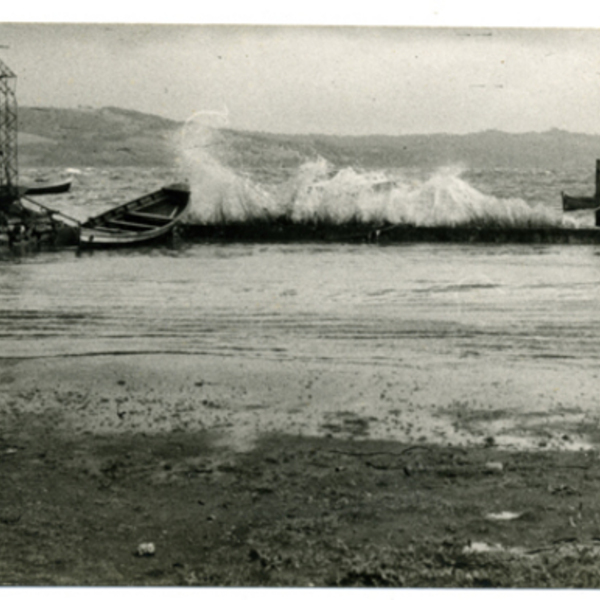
(130, 224)
(109, 229)
(146, 215)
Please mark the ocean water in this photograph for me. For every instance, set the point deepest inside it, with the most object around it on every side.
(286, 302)
(230, 183)
(283, 300)
(348, 304)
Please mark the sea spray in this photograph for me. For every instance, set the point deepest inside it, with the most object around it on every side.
(445, 199)
(219, 194)
(319, 192)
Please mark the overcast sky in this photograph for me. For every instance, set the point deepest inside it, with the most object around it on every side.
(335, 80)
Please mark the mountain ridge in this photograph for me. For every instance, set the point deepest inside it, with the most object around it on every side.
(113, 136)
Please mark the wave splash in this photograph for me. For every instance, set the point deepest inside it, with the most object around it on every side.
(317, 192)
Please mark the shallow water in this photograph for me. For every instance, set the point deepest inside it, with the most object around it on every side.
(363, 303)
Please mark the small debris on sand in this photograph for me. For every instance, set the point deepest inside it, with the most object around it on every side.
(146, 549)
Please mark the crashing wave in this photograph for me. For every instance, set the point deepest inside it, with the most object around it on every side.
(316, 192)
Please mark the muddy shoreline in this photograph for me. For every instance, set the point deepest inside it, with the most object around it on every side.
(294, 511)
(124, 453)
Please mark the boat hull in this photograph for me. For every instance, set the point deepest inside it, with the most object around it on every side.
(580, 202)
(94, 237)
(60, 187)
(141, 221)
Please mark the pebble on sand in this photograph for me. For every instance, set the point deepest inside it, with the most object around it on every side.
(146, 549)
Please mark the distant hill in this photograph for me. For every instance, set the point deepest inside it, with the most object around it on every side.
(555, 149)
(118, 137)
(94, 137)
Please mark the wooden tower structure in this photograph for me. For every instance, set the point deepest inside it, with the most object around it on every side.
(8, 136)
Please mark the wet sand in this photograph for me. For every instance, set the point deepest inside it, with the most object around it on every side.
(267, 472)
(524, 404)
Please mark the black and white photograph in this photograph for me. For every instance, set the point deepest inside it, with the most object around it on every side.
(299, 305)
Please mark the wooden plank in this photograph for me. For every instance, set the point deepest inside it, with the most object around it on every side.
(109, 229)
(146, 215)
(130, 224)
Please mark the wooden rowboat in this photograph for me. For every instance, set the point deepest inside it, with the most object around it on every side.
(146, 219)
(59, 187)
(579, 202)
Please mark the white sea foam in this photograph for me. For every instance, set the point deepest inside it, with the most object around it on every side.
(317, 192)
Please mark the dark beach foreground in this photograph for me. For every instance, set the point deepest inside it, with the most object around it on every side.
(146, 470)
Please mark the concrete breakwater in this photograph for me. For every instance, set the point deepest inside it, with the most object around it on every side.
(278, 232)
